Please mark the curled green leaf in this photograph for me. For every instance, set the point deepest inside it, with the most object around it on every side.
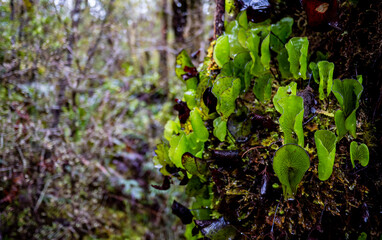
(291, 119)
(226, 90)
(263, 87)
(220, 128)
(290, 89)
(297, 48)
(359, 153)
(325, 70)
(348, 93)
(222, 51)
(280, 33)
(326, 150)
(290, 164)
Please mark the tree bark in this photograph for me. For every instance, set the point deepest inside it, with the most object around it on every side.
(219, 18)
(179, 20)
(163, 61)
(63, 81)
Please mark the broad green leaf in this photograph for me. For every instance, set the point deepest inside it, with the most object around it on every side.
(348, 93)
(290, 164)
(326, 150)
(190, 97)
(339, 119)
(247, 76)
(220, 128)
(226, 90)
(265, 52)
(313, 67)
(351, 124)
(178, 146)
(239, 63)
(359, 153)
(297, 48)
(171, 128)
(202, 213)
(222, 51)
(360, 79)
(230, 7)
(280, 33)
(162, 159)
(243, 20)
(195, 145)
(290, 89)
(253, 43)
(284, 65)
(291, 119)
(263, 87)
(325, 70)
(242, 37)
(232, 31)
(198, 126)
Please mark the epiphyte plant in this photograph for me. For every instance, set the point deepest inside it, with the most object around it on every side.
(290, 164)
(359, 153)
(348, 93)
(326, 151)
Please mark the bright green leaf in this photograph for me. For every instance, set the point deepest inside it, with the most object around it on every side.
(290, 89)
(198, 126)
(280, 33)
(190, 97)
(339, 119)
(242, 19)
(162, 159)
(284, 65)
(220, 128)
(226, 90)
(263, 87)
(325, 70)
(178, 146)
(359, 153)
(290, 164)
(297, 48)
(222, 51)
(291, 119)
(265, 53)
(348, 93)
(313, 67)
(326, 150)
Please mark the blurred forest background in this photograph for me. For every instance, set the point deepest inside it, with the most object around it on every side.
(85, 89)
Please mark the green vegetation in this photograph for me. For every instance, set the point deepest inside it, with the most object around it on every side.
(236, 134)
(290, 164)
(359, 153)
(326, 150)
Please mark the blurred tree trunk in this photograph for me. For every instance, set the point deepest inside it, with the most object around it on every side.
(179, 22)
(163, 60)
(219, 18)
(63, 81)
(196, 29)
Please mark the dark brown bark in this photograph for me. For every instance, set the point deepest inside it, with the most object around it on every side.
(219, 18)
(179, 19)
